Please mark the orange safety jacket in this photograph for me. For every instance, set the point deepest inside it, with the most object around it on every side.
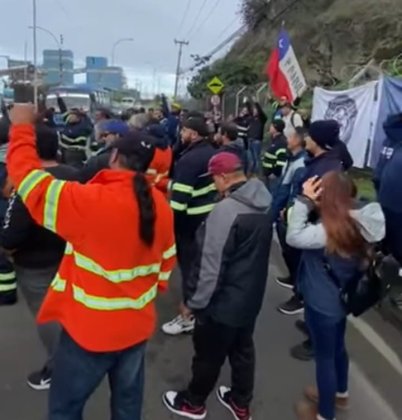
(104, 292)
(158, 172)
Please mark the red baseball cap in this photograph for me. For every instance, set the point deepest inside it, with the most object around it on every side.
(224, 163)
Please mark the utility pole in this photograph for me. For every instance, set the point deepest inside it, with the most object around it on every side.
(35, 54)
(61, 60)
(178, 69)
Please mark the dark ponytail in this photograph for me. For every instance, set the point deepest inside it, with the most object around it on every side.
(146, 206)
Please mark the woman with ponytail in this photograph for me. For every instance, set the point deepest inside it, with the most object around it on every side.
(336, 247)
(120, 252)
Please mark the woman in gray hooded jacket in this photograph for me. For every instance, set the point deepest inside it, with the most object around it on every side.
(339, 238)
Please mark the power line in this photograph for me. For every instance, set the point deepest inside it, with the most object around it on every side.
(185, 14)
(207, 17)
(178, 68)
(201, 9)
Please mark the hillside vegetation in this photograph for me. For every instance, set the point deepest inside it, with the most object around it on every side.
(332, 38)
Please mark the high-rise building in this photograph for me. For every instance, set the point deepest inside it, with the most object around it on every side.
(59, 67)
(100, 75)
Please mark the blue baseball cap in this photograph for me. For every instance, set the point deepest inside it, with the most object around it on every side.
(115, 127)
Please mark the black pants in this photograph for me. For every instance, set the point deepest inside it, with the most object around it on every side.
(290, 255)
(186, 254)
(213, 343)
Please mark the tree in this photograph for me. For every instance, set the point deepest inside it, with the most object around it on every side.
(232, 72)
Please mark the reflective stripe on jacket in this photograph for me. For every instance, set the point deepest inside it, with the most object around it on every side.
(104, 291)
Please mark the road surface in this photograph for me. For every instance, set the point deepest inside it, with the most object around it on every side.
(279, 379)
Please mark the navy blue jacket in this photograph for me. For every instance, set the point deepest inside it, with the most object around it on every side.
(387, 179)
(317, 166)
(193, 191)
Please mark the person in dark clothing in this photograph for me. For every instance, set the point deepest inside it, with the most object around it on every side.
(276, 155)
(230, 276)
(8, 281)
(171, 120)
(322, 136)
(256, 135)
(387, 179)
(193, 196)
(74, 136)
(340, 149)
(228, 141)
(109, 131)
(36, 251)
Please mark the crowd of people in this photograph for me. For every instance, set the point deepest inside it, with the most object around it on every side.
(172, 185)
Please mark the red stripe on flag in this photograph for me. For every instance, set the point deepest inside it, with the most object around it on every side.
(278, 82)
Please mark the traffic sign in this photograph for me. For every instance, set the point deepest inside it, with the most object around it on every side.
(215, 100)
(215, 85)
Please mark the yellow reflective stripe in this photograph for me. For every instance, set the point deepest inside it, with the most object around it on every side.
(204, 191)
(58, 284)
(7, 276)
(8, 287)
(270, 156)
(170, 252)
(200, 210)
(113, 304)
(30, 182)
(74, 140)
(164, 275)
(69, 249)
(178, 206)
(188, 189)
(267, 165)
(279, 151)
(115, 276)
(51, 204)
(169, 186)
(280, 163)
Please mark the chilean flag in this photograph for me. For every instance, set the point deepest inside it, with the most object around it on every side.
(283, 70)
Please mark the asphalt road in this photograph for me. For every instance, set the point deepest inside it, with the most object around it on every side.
(279, 379)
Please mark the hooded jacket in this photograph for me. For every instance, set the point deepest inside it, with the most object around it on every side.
(230, 274)
(316, 286)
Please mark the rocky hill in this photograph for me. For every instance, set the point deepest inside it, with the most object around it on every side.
(332, 38)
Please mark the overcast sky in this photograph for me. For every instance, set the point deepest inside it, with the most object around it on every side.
(90, 27)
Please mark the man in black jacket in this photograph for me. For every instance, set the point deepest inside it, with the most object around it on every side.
(36, 251)
(256, 136)
(192, 199)
(230, 277)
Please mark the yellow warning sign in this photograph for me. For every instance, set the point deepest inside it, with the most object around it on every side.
(215, 85)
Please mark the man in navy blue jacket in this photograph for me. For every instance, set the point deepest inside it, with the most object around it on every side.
(387, 180)
(322, 159)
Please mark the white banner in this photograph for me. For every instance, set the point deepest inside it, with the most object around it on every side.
(356, 111)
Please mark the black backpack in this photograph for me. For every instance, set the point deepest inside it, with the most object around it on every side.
(367, 289)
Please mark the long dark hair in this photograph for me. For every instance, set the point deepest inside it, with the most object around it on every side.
(336, 202)
(143, 193)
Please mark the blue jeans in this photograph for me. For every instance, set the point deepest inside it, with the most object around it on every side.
(255, 153)
(331, 358)
(77, 373)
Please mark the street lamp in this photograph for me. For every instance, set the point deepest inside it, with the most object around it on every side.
(116, 44)
(59, 43)
(35, 53)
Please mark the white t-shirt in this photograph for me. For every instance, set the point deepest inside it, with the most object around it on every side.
(292, 121)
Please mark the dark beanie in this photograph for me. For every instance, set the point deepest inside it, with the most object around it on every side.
(198, 125)
(279, 125)
(325, 133)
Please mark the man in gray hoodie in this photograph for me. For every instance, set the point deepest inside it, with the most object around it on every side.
(229, 281)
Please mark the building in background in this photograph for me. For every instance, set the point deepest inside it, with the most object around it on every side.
(100, 75)
(58, 66)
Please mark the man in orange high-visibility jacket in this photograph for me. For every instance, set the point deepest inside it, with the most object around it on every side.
(120, 250)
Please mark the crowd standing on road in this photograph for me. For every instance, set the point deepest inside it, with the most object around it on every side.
(94, 212)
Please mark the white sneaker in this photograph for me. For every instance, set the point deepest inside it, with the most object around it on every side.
(179, 325)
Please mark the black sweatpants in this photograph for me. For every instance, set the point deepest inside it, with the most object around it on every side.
(213, 343)
(186, 255)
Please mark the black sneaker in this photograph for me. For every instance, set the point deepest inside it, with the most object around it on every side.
(223, 394)
(177, 404)
(292, 307)
(303, 352)
(41, 380)
(285, 282)
(302, 327)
